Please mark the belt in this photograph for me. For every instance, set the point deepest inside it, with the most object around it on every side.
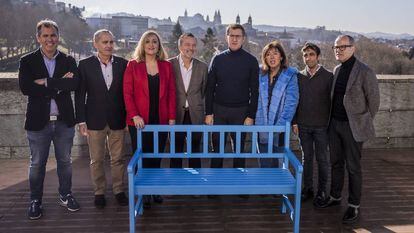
(54, 118)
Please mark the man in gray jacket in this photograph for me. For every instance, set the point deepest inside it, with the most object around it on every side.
(355, 101)
(190, 81)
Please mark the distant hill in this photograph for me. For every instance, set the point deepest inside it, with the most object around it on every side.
(389, 36)
(271, 28)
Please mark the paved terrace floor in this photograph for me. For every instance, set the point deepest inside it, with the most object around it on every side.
(387, 204)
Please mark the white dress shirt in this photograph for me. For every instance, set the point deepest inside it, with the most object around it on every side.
(185, 74)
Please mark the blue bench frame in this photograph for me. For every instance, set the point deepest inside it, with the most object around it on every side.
(210, 181)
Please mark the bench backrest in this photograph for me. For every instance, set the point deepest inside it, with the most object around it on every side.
(206, 130)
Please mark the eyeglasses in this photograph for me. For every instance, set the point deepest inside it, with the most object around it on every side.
(341, 47)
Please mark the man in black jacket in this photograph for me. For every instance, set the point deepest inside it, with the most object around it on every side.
(100, 112)
(47, 76)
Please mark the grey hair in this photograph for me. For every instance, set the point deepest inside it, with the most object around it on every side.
(350, 38)
(180, 39)
(97, 35)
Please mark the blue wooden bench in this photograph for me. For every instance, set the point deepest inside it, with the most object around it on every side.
(215, 181)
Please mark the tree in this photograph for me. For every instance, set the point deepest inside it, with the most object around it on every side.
(210, 45)
(75, 33)
(172, 43)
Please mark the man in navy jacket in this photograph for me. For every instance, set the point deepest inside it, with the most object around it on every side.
(47, 76)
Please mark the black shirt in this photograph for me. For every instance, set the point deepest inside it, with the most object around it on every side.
(272, 84)
(154, 92)
(338, 109)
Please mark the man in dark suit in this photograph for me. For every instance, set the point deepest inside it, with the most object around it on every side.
(190, 83)
(47, 76)
(100, 112)
(355, 101)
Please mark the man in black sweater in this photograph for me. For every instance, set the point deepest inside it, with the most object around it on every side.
(311, 121)
(232, 88)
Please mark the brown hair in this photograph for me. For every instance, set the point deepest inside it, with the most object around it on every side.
(139, 53)
(234, 27)
(273, 45)
(312, 46)
(47, 23)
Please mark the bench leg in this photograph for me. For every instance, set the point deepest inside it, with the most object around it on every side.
(283, 207)
(140, 205)
(131, 214)
(296, 213)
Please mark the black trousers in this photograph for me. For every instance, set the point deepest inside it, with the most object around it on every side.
(228, 116)
(345, 150)
(179, 145)
(148, 146)
(314, 141)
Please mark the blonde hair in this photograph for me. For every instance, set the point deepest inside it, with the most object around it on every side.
(139, 53)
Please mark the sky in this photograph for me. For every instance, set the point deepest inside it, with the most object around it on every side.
(390, 16)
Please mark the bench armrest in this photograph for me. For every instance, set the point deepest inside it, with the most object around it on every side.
(294, 161)
(135, 160)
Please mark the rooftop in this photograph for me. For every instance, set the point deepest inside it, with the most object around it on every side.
(387, 204)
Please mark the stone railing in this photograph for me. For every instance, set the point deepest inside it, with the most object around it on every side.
(394, 122)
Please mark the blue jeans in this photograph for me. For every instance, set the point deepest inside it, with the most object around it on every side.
(39, 143)
(314, 141)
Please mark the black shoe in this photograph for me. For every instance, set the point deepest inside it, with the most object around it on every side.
(69, 202)
(35, 210)
(244, 196)
(351, 215)
(306, 194)
(100, 201)
(147, 202)
(121, 199)
(320, 200)
(212, 196)
(329, 202)
(157, 199)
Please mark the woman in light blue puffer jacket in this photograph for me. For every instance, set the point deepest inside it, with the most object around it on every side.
(278, 95)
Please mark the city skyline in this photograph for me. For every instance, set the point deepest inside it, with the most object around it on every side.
(366, 16)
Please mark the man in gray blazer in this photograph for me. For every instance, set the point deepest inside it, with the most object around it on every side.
(355, 101)
(190, 81)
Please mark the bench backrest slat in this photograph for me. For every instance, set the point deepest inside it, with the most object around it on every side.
(206, 131)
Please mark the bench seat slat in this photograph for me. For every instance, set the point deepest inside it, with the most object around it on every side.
(214, 181)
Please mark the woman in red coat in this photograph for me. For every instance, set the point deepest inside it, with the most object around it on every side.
(149, 94)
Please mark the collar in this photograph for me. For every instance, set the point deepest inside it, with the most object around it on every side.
(236, 51)
(44, 55)
(349, 62)
(181, 61)
(316, 71)
(99, 59)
